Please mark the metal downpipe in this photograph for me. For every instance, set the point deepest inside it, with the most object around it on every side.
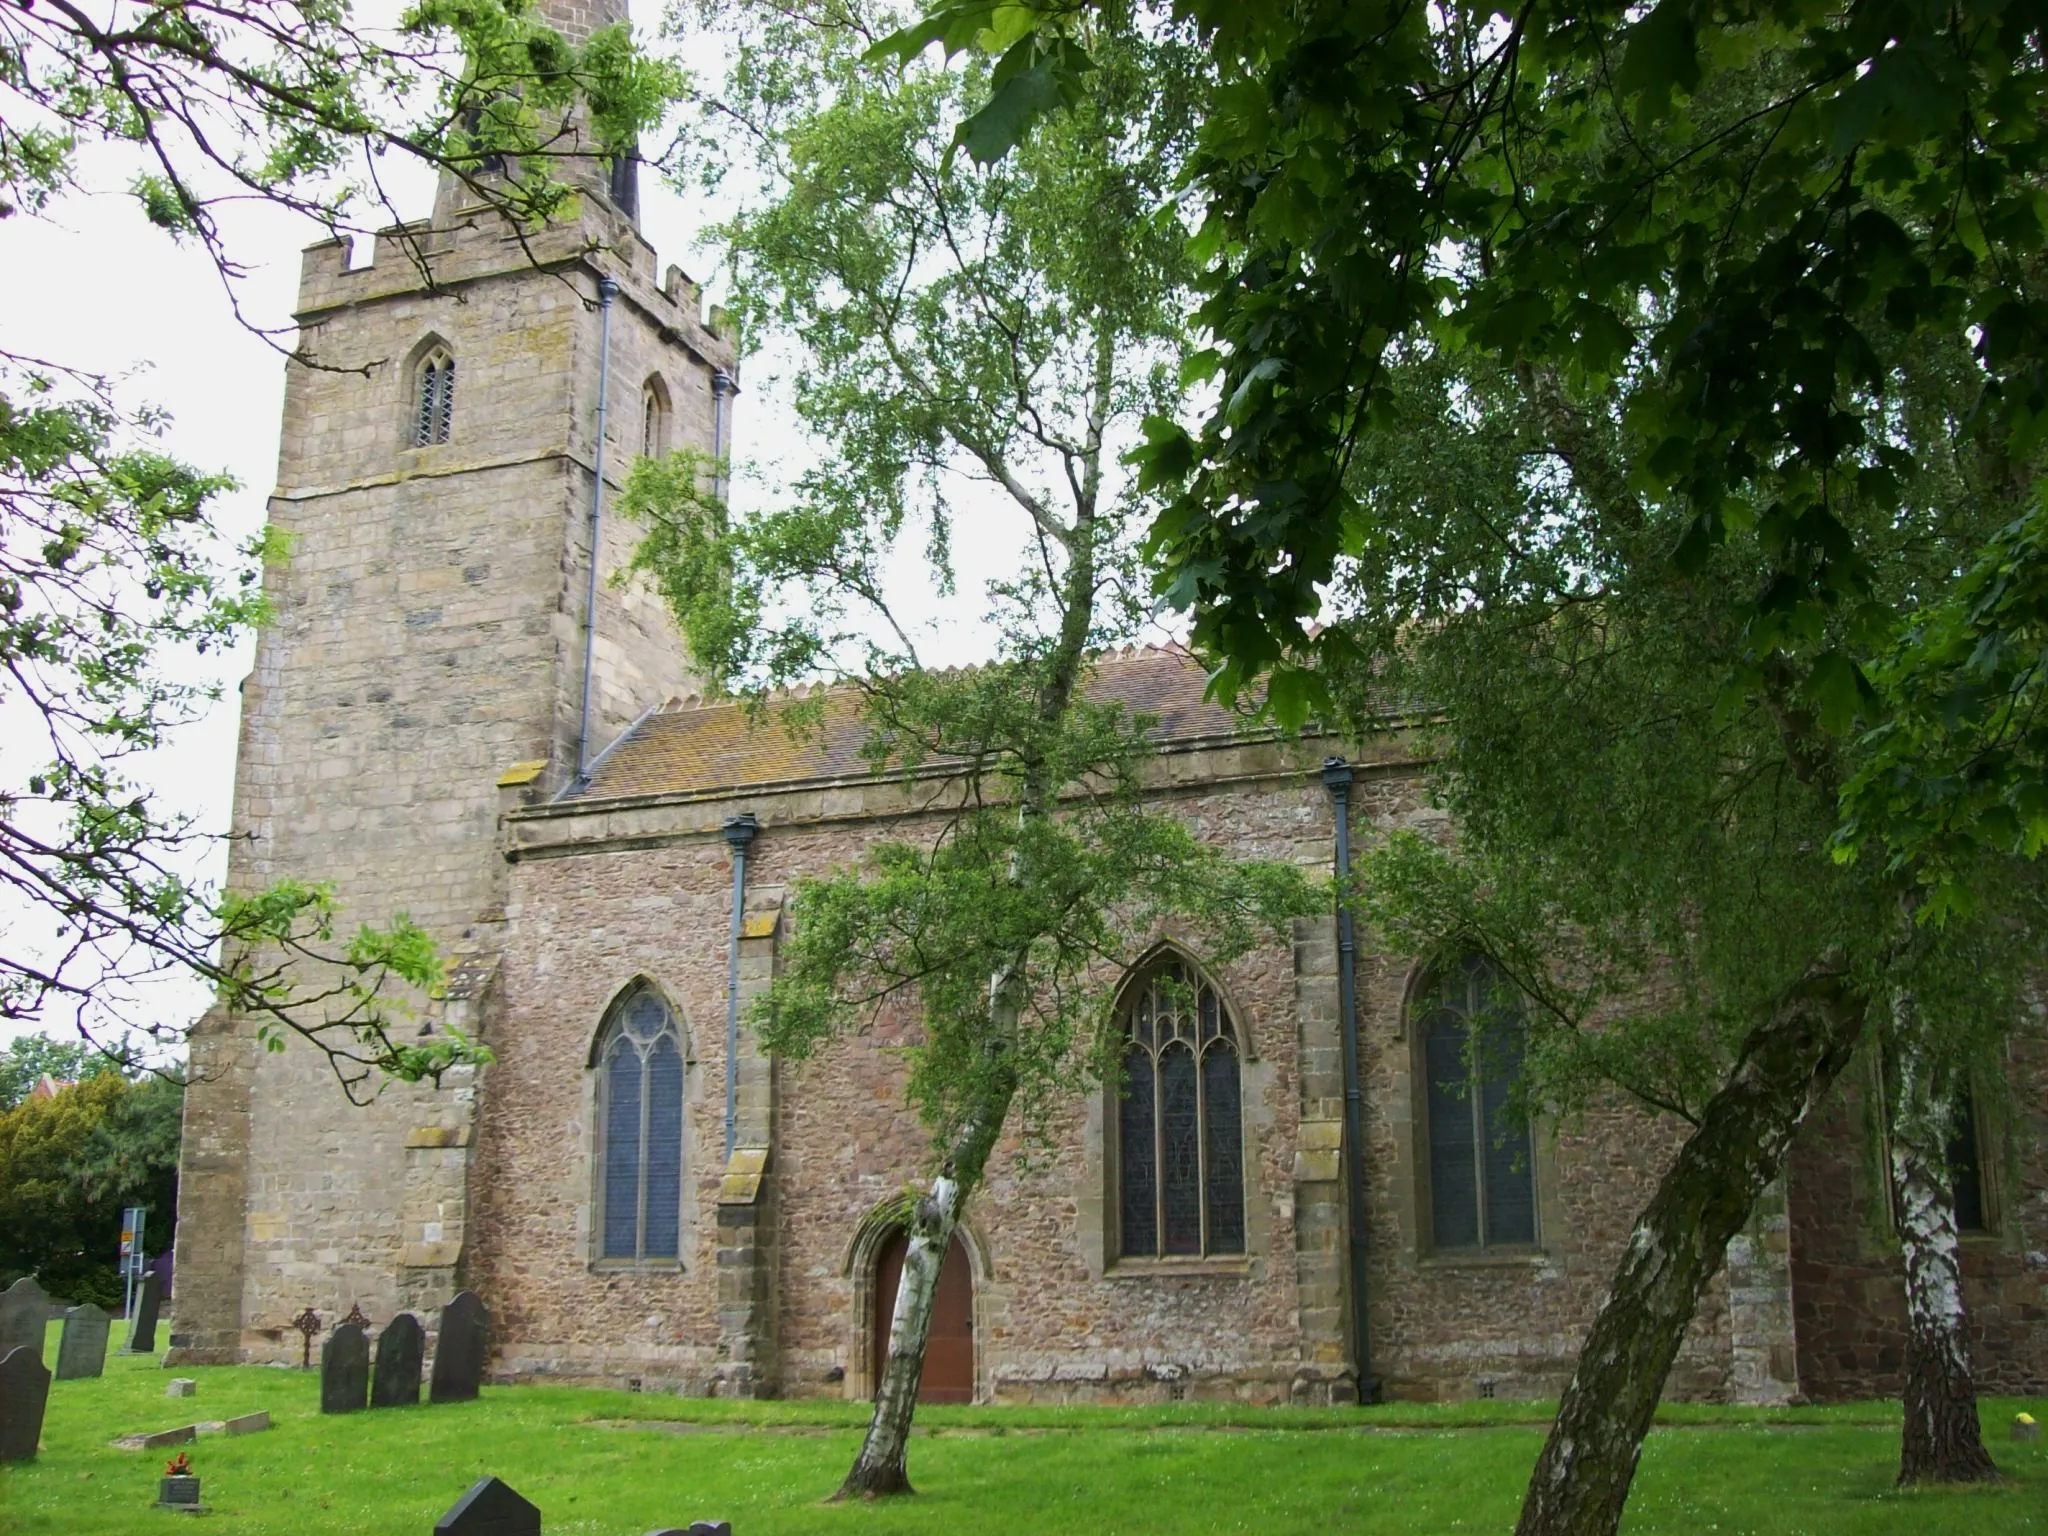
(607, 290)
(740, 832)
(1337, 780)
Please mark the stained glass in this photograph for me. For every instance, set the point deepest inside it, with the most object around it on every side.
(1223, 1132)
(1504, 1155)
(1963, 1170)
(1180, 1152)
(664, 1148)
(622, 1150)
(1138, 1183)
(1453, 1173)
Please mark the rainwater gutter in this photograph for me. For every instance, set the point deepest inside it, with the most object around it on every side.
(607, 290)
(1337, 780)
(740, 832)
(722, 388)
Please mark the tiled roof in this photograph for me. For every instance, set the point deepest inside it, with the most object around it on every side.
(694, 747)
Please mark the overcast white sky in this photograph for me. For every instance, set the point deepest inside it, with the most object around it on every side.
(95, 286)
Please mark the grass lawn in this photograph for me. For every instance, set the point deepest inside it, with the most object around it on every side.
(982, 1471)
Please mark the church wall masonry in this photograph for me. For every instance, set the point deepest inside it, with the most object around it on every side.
(606, 891)
(429, 637)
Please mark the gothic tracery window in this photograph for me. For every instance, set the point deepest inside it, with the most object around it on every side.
(1180, 1135)
(640, 1129)
(1481, 1182)
(433, 400)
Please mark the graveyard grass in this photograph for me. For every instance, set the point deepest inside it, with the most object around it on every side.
(989, 1471)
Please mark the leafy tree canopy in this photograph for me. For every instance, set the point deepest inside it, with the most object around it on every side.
(71, 1163)
(112, 574)
(1728, 218)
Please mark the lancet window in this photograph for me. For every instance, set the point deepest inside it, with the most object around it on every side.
(640, 1061)
(1472, 1036)
(433, 402)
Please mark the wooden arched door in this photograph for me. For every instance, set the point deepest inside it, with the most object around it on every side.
(949, 1357)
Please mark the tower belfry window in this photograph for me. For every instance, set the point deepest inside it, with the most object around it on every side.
(653, 419)
(433, 405)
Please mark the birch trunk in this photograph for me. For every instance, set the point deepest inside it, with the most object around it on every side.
(1581, 1480)
(883, 1466)
(1943, 1442)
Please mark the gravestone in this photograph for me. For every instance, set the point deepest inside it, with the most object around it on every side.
(184, 1434)
(181, 1386)
(24, 1309)
(82, 1351)
(248, 1423)
(459, 1352)
(142, 1326)
(400, 1348)
(344, 1370)
(24, 1393)
(697, 1528)
(489, 1509)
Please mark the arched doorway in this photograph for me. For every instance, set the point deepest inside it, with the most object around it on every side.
(949, 1357)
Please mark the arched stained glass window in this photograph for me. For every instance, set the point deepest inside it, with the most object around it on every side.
(433, 400)
(1180, 1122)
(640, 1129)
(1472, 1036)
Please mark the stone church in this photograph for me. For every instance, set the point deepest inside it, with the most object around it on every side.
(457, 714)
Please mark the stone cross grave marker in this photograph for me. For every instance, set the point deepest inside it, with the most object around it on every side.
(24, 1393)
(344, 1370)
(489, 1509)
(82, 1351)
(400, 1348)
(148, 1302)
(24, 1309)
(459, 1352)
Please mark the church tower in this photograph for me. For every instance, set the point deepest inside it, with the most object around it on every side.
(434, 660)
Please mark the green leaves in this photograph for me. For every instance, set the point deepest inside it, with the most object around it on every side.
(1660, 58)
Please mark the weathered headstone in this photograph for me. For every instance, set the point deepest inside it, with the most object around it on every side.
(82, 1350)
(142, 1326)
(184, 1434)
(24, 1393)
(344, 1370)
(2024, 1427)
(181, 1386)
(697, 1528)
(24, 1310)
(489, 1509)
(400, 1349)
(248, 1424)
(459, 1351)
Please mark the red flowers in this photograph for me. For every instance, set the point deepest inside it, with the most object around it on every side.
(180, 1466)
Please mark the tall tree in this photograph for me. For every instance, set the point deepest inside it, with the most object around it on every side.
(974, 346)
(71, 1163)
(1726, 226)
(111, 570)
(1637, 840)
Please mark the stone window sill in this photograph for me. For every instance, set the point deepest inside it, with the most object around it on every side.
(636, 1266)
(1221, 1266)
(1479, 1258)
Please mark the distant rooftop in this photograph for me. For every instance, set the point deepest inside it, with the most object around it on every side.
(690, 747)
